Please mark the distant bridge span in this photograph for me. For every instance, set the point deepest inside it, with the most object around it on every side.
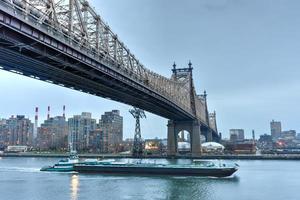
(65, 42)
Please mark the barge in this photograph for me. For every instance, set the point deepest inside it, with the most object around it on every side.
(197, 168)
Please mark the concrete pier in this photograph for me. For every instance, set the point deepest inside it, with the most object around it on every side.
(175, 127)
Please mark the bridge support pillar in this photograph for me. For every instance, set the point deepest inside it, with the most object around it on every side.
(172, 139)
(209, 136)
(195, 139)
(193, 127)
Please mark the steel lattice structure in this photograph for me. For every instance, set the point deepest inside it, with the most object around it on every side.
(76, 23)
(137, 143)
(80, 24)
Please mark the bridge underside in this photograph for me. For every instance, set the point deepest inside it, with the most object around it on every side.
(33, 52)
(106, 87)
(33, 55)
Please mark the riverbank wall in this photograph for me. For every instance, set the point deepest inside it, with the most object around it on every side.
(119, 156)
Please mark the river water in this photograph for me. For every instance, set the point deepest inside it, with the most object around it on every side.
(20, 178)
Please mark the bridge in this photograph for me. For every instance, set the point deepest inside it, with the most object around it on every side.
(65, 42)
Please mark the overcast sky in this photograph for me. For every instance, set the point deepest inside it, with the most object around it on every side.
(244, 53)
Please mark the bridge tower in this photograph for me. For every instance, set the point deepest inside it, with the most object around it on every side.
(137, 143)
(185, 76)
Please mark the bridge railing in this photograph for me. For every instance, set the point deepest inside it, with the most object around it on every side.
(78, 24)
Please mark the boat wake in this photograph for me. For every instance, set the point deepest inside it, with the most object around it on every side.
(228, 178)
(19, 169)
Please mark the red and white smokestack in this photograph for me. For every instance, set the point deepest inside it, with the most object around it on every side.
(36, 122)
(64, 111)
(48, 115)
(36, 114)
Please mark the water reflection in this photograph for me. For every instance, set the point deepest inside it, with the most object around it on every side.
(203, 188)
(74, 186)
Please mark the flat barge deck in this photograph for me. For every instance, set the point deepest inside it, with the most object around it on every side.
(157, 169)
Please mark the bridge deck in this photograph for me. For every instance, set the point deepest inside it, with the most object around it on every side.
(30, 51)
(32, 48)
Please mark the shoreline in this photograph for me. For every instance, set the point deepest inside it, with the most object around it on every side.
(103, 156)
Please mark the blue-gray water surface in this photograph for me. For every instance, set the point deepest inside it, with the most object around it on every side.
(20, 178)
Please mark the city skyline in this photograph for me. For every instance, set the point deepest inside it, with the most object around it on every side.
(43, 118)
(218, 44)
(58, 111)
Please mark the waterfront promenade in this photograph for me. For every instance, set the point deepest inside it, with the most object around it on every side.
(222, 157)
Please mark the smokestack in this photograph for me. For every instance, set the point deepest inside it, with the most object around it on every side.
(36, 114)
(48, 115)
(36, 122)
(64, 111)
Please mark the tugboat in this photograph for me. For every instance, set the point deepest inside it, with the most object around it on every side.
(197, 168)
(64, 165)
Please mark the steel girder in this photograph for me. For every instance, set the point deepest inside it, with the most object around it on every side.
(76, 23)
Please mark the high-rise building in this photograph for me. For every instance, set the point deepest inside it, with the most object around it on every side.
(237, 134)
(20, 130)
(4, 134)
(53, 134)
(275, 129)
(80, 127)
(291, 134)
(265, 142)
(111, 123)
(98, 141)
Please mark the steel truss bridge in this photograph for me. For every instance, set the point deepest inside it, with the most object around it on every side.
(65, 42)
